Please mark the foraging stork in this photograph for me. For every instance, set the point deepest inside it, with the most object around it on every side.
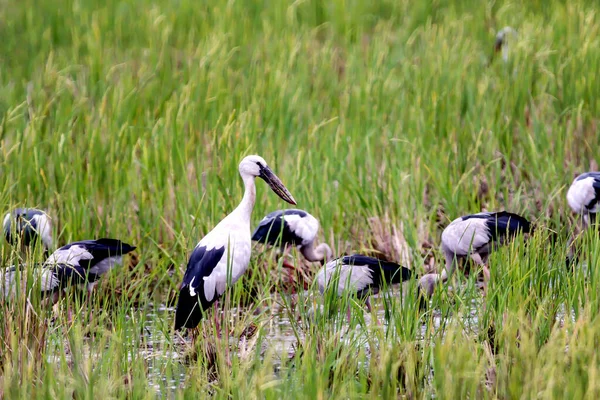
(223, 255)
(361, 274)
(28, 224)
(292, 227)
(584, 196)
(78, 263)
(475, 236)
(84, 262)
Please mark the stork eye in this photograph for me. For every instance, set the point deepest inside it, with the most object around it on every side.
(259, 164)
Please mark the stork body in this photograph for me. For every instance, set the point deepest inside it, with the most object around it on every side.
(292, 227)
(78, 263)
(475, 236)
(84, 262)
(223, 255)
(584, 196)
(28, 224)
(360, 274)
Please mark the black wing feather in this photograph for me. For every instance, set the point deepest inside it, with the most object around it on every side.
(72, 275)
(190, 308)
(596, 186)
(502, 224)
(383, 271)
(274, 230)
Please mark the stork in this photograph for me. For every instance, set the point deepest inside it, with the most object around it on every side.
(584, 196)
(78, 263)
(361, 274)
(475, 236)
(292, 227)
(84, 262)
(223, 255)
(30, 225)
(501, 41)
(584, 199)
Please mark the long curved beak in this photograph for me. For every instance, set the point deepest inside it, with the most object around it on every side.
(276, 185)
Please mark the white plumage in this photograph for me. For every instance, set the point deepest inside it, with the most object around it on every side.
(72, 255)
(584, 196)
(304, 227)
(14, 280)
(348, 277)
(463, 235)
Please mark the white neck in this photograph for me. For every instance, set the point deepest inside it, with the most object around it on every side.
(450, 263)
(244, 209)
(316, 254)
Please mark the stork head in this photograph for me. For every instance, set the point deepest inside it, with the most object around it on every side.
(256, 166)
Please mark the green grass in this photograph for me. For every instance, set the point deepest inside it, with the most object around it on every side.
(385, 119)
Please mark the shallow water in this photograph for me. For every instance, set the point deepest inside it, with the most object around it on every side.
(164, 355)
(279, 338)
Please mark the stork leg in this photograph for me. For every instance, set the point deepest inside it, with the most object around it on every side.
(90, 289)
(218, 328)
(370, 309)
(89, 302)
(476, 257)
(217, 319)
(348, 316)
(289, 267)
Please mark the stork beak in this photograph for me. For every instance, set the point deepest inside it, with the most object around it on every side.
(276, 185)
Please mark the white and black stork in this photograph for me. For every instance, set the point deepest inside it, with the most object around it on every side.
(85, 261)
(77, 263)
(584, 196)
(360, 274)
(26, 226)
(223, 255)
(475, 236)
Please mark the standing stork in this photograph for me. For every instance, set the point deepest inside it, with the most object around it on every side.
(223, 255)
(26, 226)
(361, 274)
(292, 227)
(475, 236)
(500, 44)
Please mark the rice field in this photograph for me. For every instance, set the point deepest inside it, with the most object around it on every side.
(385, 119)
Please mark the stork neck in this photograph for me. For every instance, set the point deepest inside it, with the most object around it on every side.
(450, 263)
(244, 210)
(315, 254)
